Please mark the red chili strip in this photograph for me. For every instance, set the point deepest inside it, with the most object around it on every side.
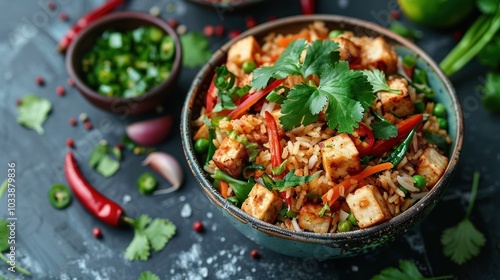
(84, 21)
(96, 203)
(254, 98)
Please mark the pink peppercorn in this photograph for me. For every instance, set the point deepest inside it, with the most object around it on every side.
(71, 82)
(198, 226)
(70, 143)
(19, 102)
(254, 254)
(395, 15)
(172, 22)
(208, 31)
(39, 80)
(60, 90)
(72, 121)
(63, 16)
(97, 232)
(271, 18)
(233, 33)
(51, 5)
(88, 125)
(250, 22)
(219, 30)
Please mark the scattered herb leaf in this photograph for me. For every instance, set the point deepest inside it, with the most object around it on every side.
(490, 54)
(102, 162)
(33, 112)
(195, 49)
(377, 79)
(464, 241)
(406, 271)
(488, 6)
(148, 275)
(149, 234)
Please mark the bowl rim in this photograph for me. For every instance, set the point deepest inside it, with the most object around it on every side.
(310, 237)
(232, 5)
(102, 23)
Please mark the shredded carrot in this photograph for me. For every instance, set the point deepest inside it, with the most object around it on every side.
(224, 189)
(285, 41)
(333, 194)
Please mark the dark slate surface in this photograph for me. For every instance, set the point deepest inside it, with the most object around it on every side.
(59, 244)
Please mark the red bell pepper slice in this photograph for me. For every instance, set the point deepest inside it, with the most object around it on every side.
(211, 98)
(363, 139)
(275, 149)
(404, 128)
(252, 99)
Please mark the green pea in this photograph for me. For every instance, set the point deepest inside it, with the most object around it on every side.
(439, 110)
(345, 226)
(201, 145)
(443, 123)
(352, 220)
(419, 181)
(419, 107)
(335, 33)
(248, 66)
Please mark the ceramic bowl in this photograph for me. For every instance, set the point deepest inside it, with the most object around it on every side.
(314, 245)
(121, 21)
(227, 5)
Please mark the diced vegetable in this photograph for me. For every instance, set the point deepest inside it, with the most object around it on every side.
(128, 64)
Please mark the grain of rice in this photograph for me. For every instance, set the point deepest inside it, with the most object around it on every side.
(296, 225)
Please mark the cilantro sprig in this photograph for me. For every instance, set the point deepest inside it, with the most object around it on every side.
(406, 271)
(377, 79)
(148, 275)
(149, 234)
(464, 241)
(345, 93)
(5, 246)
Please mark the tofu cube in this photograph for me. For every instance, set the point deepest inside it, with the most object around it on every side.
(377, 53)
(262, 204)
(431, 165)
(340, 156)
(400, 104)
(368, 206)
(310, 220)
(347, 49)
(243, 50)
(231, 157)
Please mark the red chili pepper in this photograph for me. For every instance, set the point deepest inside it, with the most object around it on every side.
(308, 6)
(96, 203)
(275, 148)
(84, 21)
(404, 128)
(363, 139)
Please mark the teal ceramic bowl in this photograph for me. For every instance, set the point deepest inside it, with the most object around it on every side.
(314, 245)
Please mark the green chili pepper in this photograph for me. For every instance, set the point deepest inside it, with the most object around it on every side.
(268, 181)
(59, 196)
(146, 183)
(398, 154)
(211, 146)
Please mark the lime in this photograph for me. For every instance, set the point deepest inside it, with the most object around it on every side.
(437, 13)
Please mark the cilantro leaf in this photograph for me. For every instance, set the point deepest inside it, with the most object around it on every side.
(149, 234)
(491, 91)
(97, 154)
(490, 54)
(4, 236)
(296, 108)
(320, 55)
(406, 271)
(349, 93)
(148, 275)
(377, 79)
(107, 166)
(287, 64)
(33, 112)
(384, 130)
(139, 248)
(464, 241)
(195, 49)
(159, 232)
